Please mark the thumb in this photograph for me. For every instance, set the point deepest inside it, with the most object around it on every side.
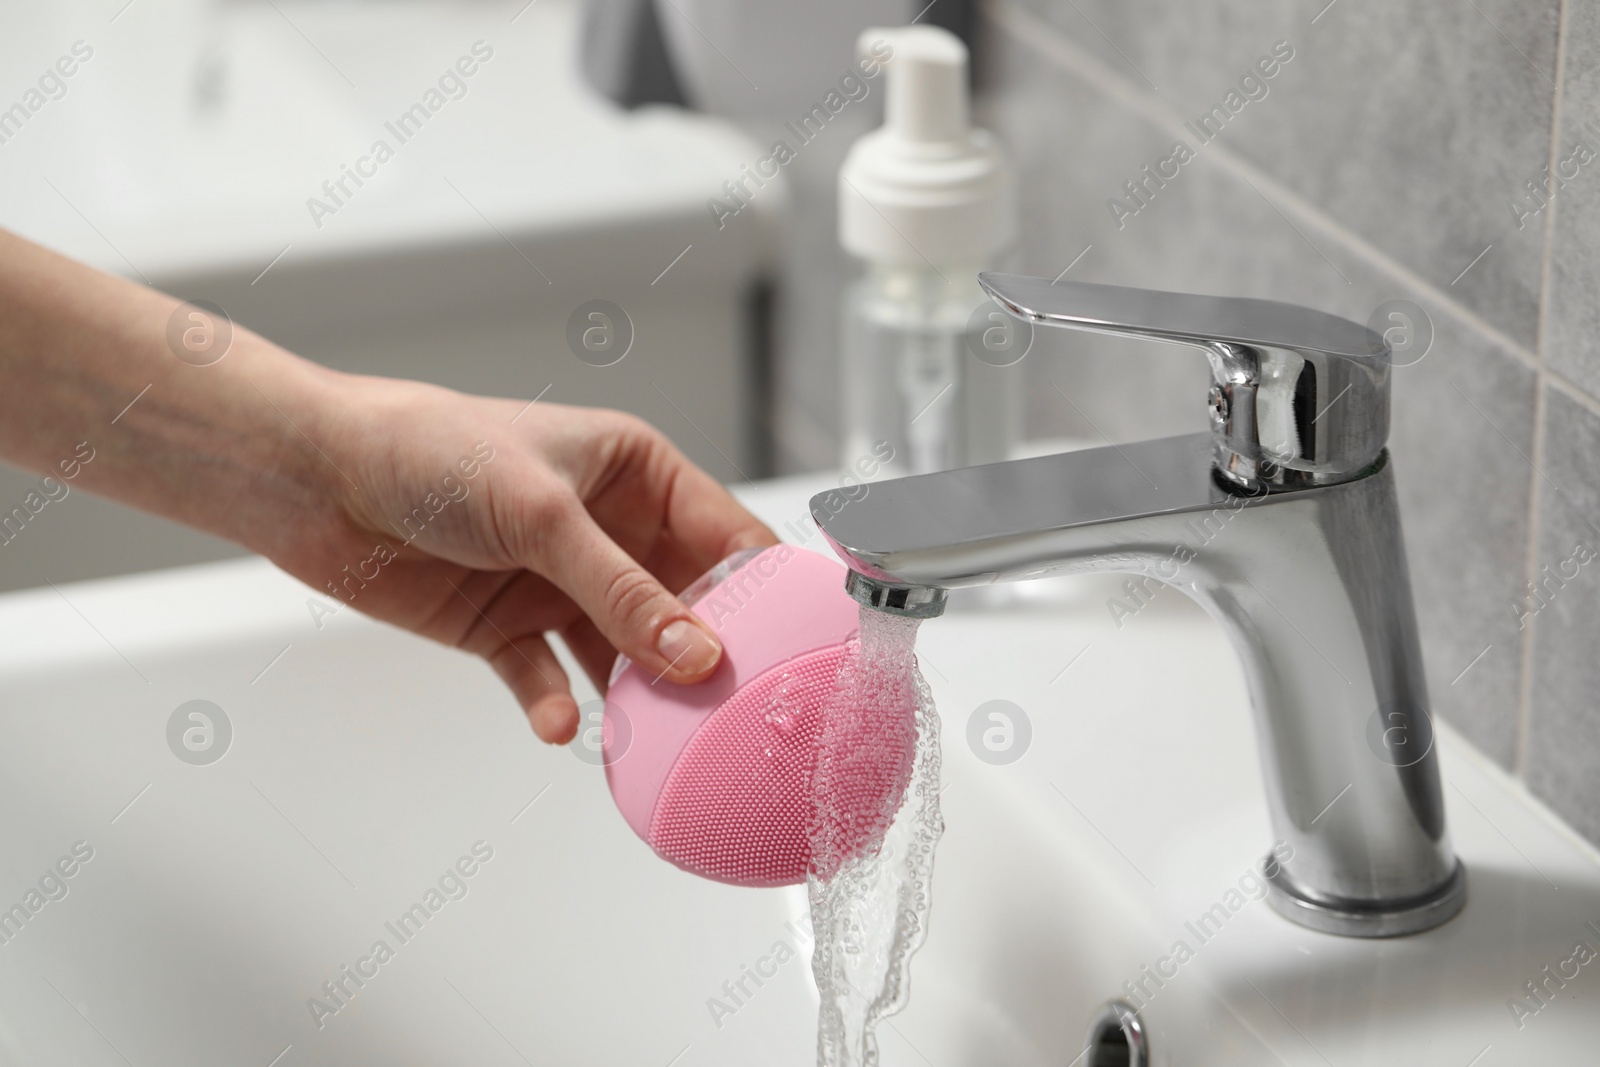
(634, 611)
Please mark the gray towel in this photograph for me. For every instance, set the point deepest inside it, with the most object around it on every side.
(623, 55)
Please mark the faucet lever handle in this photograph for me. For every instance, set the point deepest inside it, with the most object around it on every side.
(1299, 397)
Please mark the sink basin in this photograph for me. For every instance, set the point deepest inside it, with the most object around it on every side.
(365, 769)
(1132, 824)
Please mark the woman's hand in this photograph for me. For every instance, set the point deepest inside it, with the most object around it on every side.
(487, 524)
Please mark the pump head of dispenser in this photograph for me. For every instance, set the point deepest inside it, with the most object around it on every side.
(716, 777)
(927, 186)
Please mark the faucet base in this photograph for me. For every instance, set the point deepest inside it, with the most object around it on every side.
(1366, 918)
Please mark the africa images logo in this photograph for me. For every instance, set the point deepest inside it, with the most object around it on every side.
(199, 732)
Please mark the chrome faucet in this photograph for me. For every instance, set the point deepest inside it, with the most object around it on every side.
(1282, 522)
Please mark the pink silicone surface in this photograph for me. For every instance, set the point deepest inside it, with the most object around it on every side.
(737, 806)
(716, 776)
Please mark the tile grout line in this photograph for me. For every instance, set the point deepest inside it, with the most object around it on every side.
(1571, 390)
(1528, 644)
(1519, 754)
(1034, 33)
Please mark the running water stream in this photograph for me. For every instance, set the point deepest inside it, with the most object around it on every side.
(870, 886)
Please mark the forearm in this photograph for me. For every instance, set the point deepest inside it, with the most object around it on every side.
(213, 446)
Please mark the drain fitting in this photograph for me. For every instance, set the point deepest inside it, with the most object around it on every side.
(1117, 1038)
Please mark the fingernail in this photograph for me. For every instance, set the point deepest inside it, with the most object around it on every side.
(688, 648)
(758, 538)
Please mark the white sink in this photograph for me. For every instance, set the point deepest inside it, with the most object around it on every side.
(1137, 809)
(365, 762)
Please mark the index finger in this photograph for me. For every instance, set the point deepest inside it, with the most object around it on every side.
(706, 522)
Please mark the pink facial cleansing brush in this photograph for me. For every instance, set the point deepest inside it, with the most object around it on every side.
(716, 777)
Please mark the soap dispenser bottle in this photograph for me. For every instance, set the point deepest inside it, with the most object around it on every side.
(925, 202)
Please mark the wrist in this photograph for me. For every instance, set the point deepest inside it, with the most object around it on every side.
(288, 480)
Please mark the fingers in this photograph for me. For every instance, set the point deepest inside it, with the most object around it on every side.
(697, 519)
(514, 646)
(706, 521)
(530, 669)
(591, 649)
(630, 608)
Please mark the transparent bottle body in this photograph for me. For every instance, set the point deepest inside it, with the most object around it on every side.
(910, 375)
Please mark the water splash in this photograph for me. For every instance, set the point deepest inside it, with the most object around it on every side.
(870, 885)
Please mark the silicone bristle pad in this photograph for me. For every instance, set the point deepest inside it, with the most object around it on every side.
(737, 806)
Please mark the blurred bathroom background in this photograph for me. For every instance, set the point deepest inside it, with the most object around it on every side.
(1421, 166)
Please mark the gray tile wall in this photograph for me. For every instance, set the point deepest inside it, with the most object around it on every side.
(1387, 159)
(1381, 163)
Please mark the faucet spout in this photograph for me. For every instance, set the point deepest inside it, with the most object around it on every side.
(1312, 588)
